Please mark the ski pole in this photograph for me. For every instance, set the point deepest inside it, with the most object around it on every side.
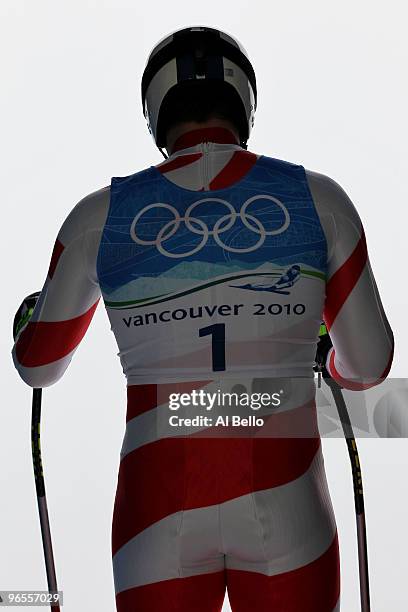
(358, 492)
(41, 498)
(21, 319)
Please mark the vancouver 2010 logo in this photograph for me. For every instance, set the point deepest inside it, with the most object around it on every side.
(199, 227)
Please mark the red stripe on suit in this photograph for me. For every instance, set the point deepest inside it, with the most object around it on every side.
(43, 342)
(178, 162)
(343, 281)
(171, 474)
(315, 587)
(194, 593)
(142, 398)
(238, 166)
(56, 254)
(355, 385)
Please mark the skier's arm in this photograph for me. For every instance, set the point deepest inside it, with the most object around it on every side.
(362, 339)
(44, 347)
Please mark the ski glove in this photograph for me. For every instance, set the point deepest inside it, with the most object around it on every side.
(23, 314)
(323, 347)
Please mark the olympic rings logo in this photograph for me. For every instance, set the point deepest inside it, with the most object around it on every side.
(200, 228)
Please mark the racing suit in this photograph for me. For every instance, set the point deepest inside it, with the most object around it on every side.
(216, 266)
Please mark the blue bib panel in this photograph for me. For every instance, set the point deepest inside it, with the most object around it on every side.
(157, 231)
(197, 282)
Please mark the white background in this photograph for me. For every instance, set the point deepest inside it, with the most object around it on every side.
(332, 96)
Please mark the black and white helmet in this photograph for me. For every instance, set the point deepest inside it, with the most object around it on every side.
(192, 54)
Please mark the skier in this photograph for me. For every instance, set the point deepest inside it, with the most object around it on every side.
(196, 515)
(287, 280)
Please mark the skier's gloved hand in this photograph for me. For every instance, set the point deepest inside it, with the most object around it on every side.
(323, 347)
(23, 314)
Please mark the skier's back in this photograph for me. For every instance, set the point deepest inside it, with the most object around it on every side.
(174, 250)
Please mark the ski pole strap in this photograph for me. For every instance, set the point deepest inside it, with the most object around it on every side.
(35, 443)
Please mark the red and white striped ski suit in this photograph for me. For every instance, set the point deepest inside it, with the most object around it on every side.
(194, 515)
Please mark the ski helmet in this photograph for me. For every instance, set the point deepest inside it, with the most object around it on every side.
(192, 55)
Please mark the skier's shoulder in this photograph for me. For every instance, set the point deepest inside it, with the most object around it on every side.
(335, 209)
(91, 211)
(322, 186)
(282, 166)
(87, 215)
(329, 196)
(91, 207)
(140, 177)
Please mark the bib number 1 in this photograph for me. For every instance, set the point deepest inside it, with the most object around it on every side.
(217, 331)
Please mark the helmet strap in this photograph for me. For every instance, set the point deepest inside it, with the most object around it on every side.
(163, 153)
